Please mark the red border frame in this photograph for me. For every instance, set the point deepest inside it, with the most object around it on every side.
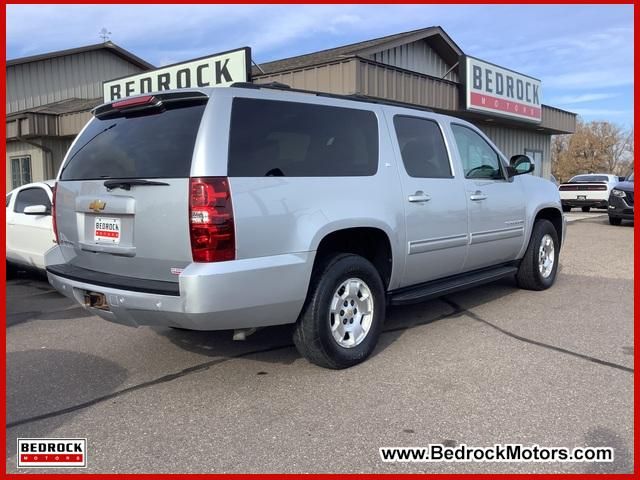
(636, 449)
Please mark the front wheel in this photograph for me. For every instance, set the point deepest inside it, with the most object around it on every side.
(539, 265)
(344, 312)
(615, 220)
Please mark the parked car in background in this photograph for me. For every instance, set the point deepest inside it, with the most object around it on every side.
(621, 202)
(587, 191)
(29, 229)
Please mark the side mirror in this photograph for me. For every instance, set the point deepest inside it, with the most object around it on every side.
(520, 164)
(36, 210)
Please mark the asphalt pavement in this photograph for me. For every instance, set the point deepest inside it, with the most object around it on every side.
(490, 365)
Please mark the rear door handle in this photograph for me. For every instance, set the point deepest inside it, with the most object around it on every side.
(419, 196)
(477, 196)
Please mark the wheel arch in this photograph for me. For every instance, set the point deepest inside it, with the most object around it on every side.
(371, 242)
(554, 215)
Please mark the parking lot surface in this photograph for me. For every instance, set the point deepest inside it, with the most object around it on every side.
(490, 365)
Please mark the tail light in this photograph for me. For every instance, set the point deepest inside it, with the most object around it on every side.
(53, 213)
(211, 220)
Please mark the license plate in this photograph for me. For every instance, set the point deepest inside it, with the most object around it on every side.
(107, 230)
(582, 197)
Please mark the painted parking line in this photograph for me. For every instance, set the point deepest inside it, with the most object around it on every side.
(575, 217)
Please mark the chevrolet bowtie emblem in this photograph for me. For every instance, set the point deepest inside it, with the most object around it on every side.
(97, 205)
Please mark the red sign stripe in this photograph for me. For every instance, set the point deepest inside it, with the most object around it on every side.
(107, 233)
(505, 106)
(51, 457)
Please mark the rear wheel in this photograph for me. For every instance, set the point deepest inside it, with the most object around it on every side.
(11, 270)
(586, 209)
(566, 208)
(344, 312)
(539, 265)
(615, 220)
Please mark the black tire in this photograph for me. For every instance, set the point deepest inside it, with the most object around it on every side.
(11, 271)
(615, 220)
(566, 208)
(529, 276)
(586, 209)
(312, 335)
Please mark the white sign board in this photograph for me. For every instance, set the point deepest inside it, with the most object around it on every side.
(217, 70)
(500, 91)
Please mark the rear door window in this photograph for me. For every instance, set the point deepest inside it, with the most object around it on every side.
(31, 196)
(422, 147)
(151, 145)
(275, 138)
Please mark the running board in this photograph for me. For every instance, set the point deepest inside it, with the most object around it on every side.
(438, 288)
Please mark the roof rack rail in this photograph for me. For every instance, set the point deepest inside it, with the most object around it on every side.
(354, 97)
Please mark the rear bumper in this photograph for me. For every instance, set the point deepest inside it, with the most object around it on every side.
(597, 203)
(215, 296)
(620, 208)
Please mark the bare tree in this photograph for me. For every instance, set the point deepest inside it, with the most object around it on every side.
(594, 147)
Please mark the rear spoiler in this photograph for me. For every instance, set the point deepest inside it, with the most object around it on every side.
(584, 183)
(141, 103)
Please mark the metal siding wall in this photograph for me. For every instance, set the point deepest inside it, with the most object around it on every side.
(58, 147)
(558, 119)
(417, 57)
(386, 82)
(339, 78)
(81, 75)
(512, 141)
(72, 123)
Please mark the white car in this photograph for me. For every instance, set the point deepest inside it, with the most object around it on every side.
(587, 191)
(28, 224)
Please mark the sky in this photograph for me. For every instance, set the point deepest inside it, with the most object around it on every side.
(582, 53)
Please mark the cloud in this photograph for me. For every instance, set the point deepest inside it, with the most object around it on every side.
(601, 112)
(583, 98)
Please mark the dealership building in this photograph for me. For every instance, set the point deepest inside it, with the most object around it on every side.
(49, 97)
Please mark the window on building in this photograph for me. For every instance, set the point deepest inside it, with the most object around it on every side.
(29, 197)
(536, 158)
(422, 147)
(479, 159)
(20, 170)
(289, 139)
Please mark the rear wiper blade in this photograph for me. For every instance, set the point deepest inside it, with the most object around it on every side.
(127, 184)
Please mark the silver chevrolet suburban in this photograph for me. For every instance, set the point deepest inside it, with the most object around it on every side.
(248, 206)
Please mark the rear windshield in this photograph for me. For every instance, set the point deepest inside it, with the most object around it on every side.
(289, 139)
(153, 145)
(589, 178)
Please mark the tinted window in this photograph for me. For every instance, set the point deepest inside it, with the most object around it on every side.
(272, 138)
(590, 178)
(479, 160)
(31, 196)
(156, 145)
(8, 199)
(422, 147)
